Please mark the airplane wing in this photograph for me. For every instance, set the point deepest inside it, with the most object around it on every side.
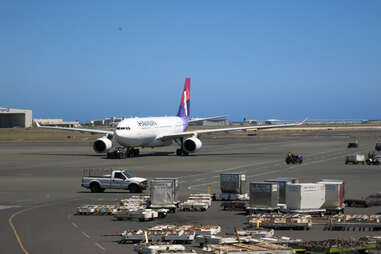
(206, 118)
(76, 129)
(198, 132)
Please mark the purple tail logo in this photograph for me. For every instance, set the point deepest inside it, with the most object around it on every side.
(184, 108)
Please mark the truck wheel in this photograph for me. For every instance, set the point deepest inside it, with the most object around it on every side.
(133, 188)
(94, 187)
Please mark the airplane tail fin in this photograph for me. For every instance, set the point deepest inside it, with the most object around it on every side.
(184, 108)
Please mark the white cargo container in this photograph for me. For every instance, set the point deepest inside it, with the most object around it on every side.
(334, 194)
(163, 192)
(305, 196)
(174, 179)
(233, 183)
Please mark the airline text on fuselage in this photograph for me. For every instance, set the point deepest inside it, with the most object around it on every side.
(147, 123)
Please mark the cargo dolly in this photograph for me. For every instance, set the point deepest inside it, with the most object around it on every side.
(344, 226)
(170, 207)
(234, 205)
(192, 205)
(281, 222)
(139, 214)
(255, 210)
(319, 212)
(286, 226)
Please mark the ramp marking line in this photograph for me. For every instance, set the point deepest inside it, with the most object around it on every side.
(99, 246)
(11, 224)
(85, 234)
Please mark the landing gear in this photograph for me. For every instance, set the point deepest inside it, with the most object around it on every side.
(121, 153)
(132, 152)
(181, 151)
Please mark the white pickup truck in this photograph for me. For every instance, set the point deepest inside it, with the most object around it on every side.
(117, 179)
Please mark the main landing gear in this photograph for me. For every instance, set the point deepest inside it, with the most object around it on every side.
(181, 151)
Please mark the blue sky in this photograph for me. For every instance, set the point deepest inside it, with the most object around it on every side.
(83, 60)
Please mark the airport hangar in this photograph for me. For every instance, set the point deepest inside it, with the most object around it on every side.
(12, 117)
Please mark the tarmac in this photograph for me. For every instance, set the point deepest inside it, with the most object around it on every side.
(40, 185)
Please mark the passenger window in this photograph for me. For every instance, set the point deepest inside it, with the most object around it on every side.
(119, 176)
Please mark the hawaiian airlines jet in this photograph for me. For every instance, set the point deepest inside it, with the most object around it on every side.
(133, 133)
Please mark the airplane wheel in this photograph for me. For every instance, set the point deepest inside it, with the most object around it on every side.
(178, 152)
(136, 152)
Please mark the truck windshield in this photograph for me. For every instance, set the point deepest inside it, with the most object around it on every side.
(127, 174)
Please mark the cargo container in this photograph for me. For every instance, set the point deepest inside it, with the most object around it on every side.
(233, 183)
(264, 194)
(355, 159)
(234, 197)
(282, 182)
(174, 179)
(334, 194)
(305, 196)
(163, 192)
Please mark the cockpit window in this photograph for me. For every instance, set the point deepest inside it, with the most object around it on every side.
(123, 128)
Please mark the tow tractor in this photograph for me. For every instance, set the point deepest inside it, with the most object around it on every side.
(294, 158)
(122, 153)
(373, 159)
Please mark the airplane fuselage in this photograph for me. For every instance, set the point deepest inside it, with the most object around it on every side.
(144, 132)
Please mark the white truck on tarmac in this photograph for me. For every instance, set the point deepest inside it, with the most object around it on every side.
(116, 179)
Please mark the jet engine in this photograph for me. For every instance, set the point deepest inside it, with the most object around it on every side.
(102, 145)
(192, 145)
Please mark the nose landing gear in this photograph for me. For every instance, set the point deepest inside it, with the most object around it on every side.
(122, 153)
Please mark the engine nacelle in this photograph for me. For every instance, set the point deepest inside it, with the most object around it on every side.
(192, 145)
(102, 145)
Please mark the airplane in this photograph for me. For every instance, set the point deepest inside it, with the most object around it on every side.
(134, 133)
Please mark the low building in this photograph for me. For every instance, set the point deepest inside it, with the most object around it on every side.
(12, 117)
(211, 122)
(111, 121)
(57, 122)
